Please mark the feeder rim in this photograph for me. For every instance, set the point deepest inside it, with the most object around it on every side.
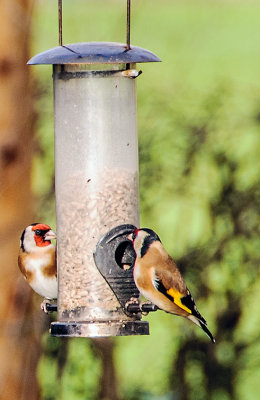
(94, 53)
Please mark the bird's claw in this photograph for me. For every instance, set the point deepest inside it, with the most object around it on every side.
(133, 303)
(132, 300)
(44, 306)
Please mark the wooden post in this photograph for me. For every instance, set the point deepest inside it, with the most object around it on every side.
(19, 341)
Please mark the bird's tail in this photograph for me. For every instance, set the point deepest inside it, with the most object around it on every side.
(202, 325)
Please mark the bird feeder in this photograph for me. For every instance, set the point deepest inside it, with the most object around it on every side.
(96, 184)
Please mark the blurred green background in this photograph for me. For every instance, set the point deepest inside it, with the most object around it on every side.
(199, 143)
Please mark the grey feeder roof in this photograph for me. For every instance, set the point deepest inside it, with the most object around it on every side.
(94, 53)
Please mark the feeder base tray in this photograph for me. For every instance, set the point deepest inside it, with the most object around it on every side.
(99, 329)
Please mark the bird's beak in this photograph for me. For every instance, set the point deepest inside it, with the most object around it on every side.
(50, 235)
(130, 237)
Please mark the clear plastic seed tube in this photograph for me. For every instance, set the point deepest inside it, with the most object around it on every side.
(96, 180)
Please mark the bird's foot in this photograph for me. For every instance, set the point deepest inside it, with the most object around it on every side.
(44, 305)
(133, 305)
(133, 300)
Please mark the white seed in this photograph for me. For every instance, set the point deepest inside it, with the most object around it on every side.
(84, 214)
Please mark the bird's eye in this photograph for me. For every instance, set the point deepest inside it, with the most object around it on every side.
(37, 232)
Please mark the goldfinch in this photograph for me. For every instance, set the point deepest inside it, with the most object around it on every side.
(37, 261)
(158, 279)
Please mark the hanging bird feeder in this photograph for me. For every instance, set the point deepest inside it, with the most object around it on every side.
(96, 184)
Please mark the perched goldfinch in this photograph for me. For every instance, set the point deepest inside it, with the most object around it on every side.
(37, 261)
(159, 280)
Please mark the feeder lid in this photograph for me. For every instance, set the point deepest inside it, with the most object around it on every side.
(94, 53)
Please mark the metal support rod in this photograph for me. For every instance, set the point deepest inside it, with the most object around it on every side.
(51, 307)
(134, 308)
(128, 25)
(60, 21)
(131, 308)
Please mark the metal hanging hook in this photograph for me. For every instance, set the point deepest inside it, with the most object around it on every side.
(128, 25)
(128, 47)
(60, 21)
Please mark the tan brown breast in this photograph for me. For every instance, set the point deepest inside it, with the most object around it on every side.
(50, 270)
(29, 275)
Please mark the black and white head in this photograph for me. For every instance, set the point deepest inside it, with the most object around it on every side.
(36, 237)
(142, 240)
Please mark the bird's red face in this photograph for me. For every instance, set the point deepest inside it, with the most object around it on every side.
(134, 234)
(142, 239)
(43, 235)
(36, 237)
(137, 237)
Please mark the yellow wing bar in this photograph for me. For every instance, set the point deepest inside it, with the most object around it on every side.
(176, 295)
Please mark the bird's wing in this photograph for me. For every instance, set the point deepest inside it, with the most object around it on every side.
(21, 263)
(170, 283)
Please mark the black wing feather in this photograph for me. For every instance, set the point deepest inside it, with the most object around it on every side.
(187, 300)
(161, 288)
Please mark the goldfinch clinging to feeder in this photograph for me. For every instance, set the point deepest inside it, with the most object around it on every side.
(159, 280)
(37, 261)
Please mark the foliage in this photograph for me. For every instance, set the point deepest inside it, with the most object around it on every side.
(75, 372)
(199, 185)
